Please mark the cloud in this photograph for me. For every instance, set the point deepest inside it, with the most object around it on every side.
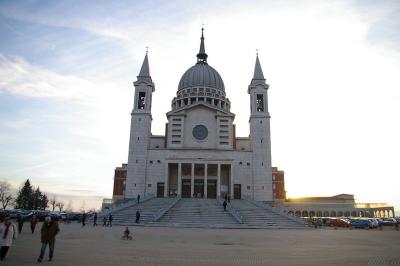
(19, 77)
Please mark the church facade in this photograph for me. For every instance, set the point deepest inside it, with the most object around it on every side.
(200, 154)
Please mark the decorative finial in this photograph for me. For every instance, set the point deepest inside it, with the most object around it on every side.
(202, 56)
(257, 52)
(147, 49)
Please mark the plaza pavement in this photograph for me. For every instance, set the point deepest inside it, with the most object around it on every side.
(185, 246)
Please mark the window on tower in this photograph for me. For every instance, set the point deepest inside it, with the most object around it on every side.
(142, 100)
(260, 103)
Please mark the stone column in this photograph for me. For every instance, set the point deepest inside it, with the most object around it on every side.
(205, 179)
(192, 182)
(179, 179)
(219, 181)
(166, 180)
(231, 182)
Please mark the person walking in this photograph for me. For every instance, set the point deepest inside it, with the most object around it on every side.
(110, 218)
(49, 231)
(8, 233)
(224, 204)
(20, 222)
(104, 220)
(83, 219)
(137, 216)
(95, 219)
(138, 198)
(34, 221)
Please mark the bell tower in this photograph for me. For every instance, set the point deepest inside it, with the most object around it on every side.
(260, 136)
(140, 133)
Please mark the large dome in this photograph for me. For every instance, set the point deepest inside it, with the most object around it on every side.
(201, 75)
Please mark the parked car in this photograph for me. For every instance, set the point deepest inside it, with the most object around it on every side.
(388, 221)
(375, 222)
(339, 222)
(362, 223)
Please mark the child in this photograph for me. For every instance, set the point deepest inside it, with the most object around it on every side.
(126, 235)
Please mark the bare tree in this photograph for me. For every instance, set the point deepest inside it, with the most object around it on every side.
(60, 205)
(53, 202)
(5, 194)
(83, 207)
(69, 206)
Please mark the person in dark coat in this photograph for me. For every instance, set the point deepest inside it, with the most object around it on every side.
(110, 220)
(83, 219)
(104, 220)
(20, 222)
(95, 219)
(49, 231)
(137, 216)
(138, 198)
(224, 204)
(34, 221)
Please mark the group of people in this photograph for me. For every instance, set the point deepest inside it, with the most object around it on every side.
(9, 232)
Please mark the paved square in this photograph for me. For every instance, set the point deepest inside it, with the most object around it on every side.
(184, 246)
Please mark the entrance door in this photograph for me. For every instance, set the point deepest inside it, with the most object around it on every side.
(237, 191)
(198, 188)
(211, 189)
(160, 190)
(186, 188)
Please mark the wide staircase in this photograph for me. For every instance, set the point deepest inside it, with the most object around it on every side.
(147, 209)
(257, 217)
(206, 213)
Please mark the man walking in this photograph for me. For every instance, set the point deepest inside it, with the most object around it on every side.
(224, 204)
(137, 216)
(34, 221)
(20, 222)
(95, 219)
(110, 220)
(83, 219)
(138, 198)
(49, 231)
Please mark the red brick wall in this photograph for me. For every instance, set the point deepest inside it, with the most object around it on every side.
(278, 184)
(119, 182)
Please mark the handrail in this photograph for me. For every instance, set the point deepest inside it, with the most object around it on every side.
(276, 210)
(129, 203)
(235, 214)
(162, 211)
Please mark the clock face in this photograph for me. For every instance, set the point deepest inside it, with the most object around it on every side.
(200, 132)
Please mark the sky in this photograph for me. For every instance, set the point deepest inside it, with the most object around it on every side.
(66, 93)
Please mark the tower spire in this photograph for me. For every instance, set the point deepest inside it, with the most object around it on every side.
(258, 73)
(202, 56)
(145, 70)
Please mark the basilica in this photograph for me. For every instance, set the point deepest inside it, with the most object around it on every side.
(199, 155)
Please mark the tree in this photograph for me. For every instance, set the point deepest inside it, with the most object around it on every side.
(43, 201)
(53, 202)
(24, 198)
(30, 198)
(5, 193)
(60, 205)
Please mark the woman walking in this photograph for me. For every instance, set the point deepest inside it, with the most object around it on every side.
(8, 233)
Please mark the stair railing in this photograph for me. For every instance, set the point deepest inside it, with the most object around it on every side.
(275, 210)
(161, 212)
(132, 202)
(235, 214)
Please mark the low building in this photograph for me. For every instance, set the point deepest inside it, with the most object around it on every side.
(335, 206)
